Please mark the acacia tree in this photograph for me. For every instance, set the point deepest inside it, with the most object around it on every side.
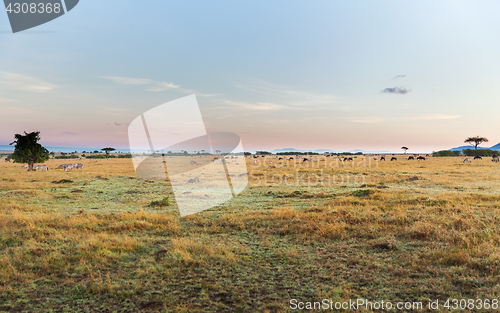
(107, 150)
(475, 141)
(404, 148)
(28, 150)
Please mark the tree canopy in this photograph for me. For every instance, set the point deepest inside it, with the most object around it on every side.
(28, 150)
(404, 148)
(475, 141)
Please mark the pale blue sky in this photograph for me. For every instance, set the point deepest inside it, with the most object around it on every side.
(302, 74)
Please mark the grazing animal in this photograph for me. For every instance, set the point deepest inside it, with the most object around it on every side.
(280, 159)
(25, 166)
(7, 159)
(305, 160)
(78, 166)
(193, 163)
(69, 167)
(394, 159)
(62, 166)
(382, 158)
(41, 167)
(347, 159)
(411, 158)
(468, 160)
(495, 158)
(290, 158)
(477, 157)
(421, 158)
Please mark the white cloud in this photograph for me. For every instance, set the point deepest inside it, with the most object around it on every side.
(5, 100)
(162, 86)
(129, 80)
(155, 86)
(286, 95)
(373, 120)
(25, 83)
(435, 117)
(259, 106)
(369, 120)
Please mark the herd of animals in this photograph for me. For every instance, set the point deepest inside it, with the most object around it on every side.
(44, 167)
(495, 158)
(70, 167)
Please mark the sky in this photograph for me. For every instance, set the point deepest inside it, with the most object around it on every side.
(339, 75)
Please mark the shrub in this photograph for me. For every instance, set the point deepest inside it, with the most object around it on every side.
(163, 202)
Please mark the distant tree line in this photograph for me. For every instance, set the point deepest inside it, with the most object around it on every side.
(480, 152)
(466, 152)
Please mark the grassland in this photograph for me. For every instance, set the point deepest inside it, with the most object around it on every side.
(105, 240)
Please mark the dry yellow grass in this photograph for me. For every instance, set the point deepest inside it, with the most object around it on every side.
(96, 244)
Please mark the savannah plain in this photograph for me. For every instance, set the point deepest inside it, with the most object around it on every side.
(101, 239)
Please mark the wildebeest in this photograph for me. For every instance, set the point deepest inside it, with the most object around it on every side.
(468, 160)
(290, 158)
(411, 158)
(421, 158)
(305, 160)
(477, 157)
(495, 158)
(347, 159)
(280, 159)
(394, 159)
(382, 158)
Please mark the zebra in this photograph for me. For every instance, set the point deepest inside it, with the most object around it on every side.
(62, 166)
(468, 160)
(41, 167)
(495, 158)
(24, 166)
(69, 167)
(78, 166)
